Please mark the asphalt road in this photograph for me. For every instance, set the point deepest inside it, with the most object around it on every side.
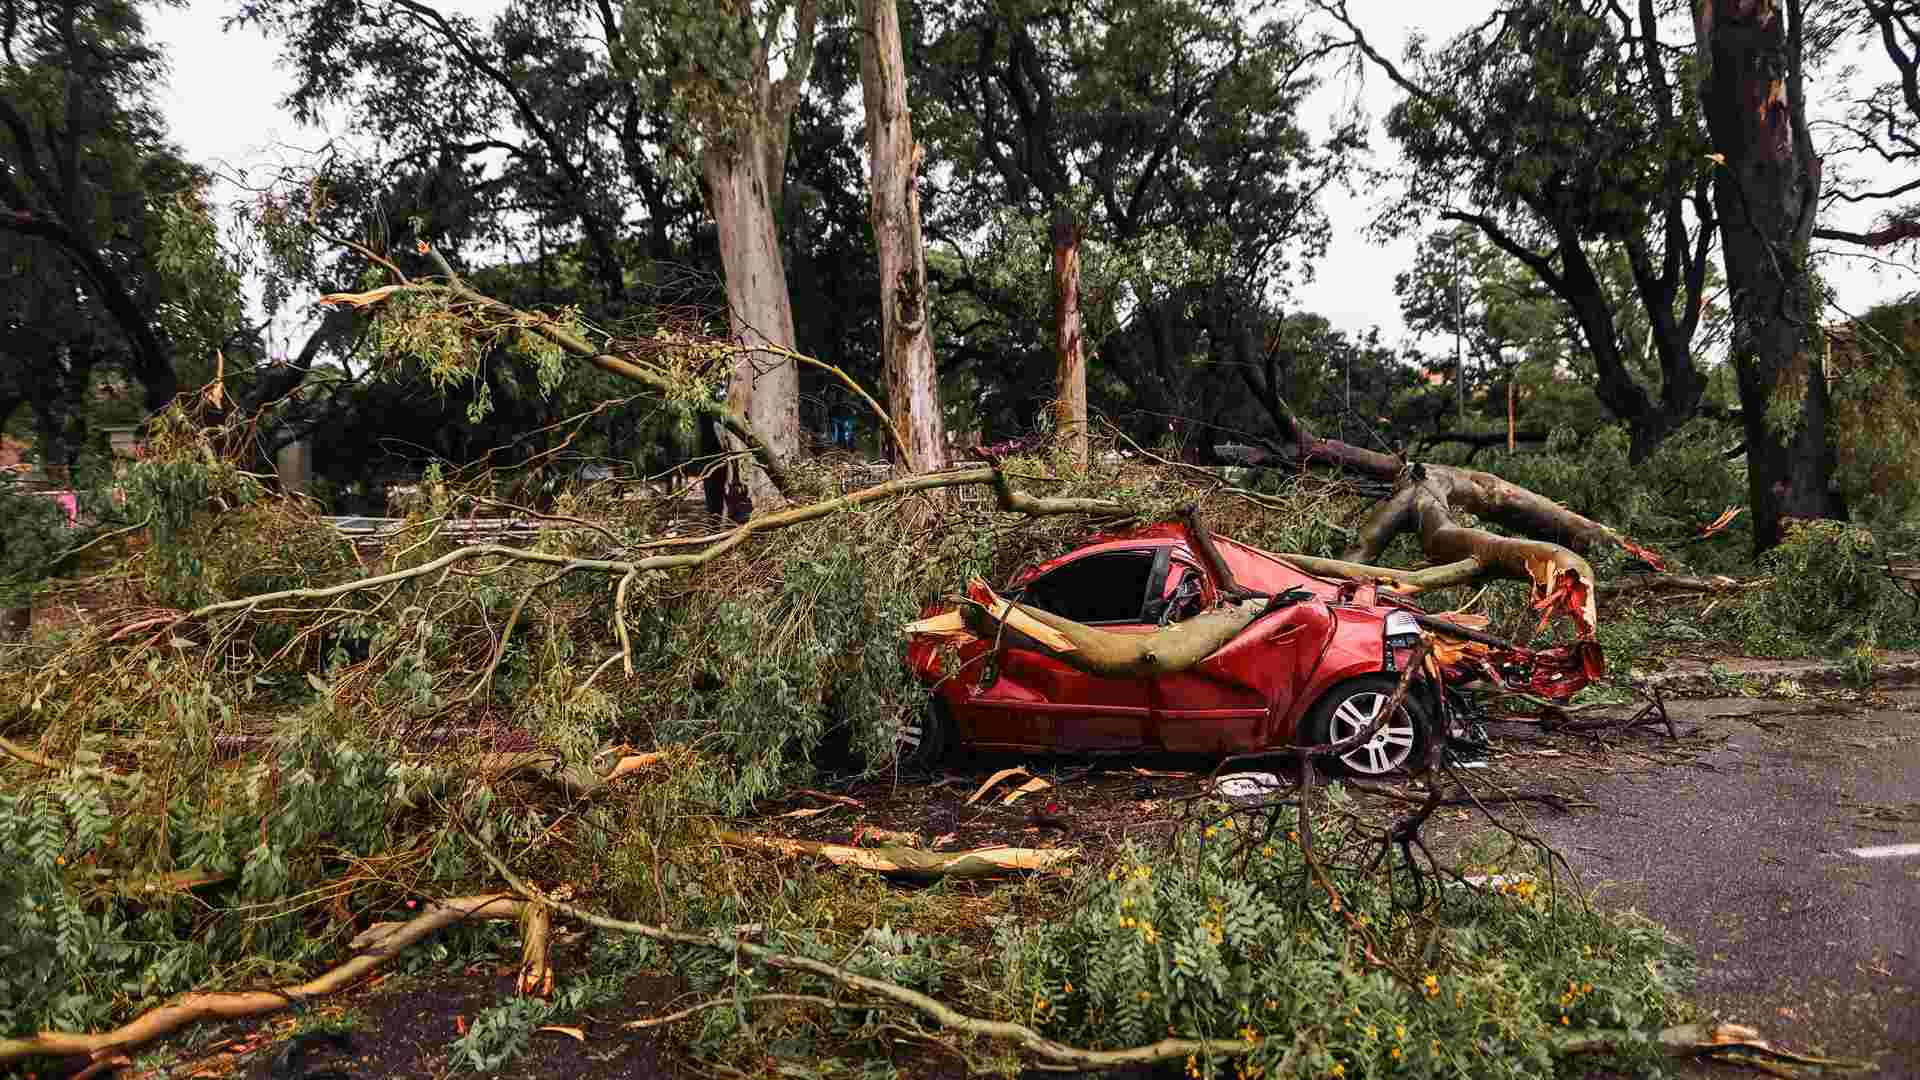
(1759, 851)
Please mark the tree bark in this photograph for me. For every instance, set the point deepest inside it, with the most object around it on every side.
(906, 341)
(765, 387)
(743, 165)
(1766, 196)
(1070, 379)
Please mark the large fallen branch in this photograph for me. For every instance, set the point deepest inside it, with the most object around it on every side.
(989, 616)
(197, 1007)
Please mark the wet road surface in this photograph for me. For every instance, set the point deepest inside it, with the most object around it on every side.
(1788, 855)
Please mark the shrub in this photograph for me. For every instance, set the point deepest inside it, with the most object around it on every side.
(1212, 947)
(1826, 592)
(85, 940)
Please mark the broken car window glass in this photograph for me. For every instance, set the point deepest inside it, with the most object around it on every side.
(1104, 588)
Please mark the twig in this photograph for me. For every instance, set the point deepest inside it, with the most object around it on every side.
(755, 999)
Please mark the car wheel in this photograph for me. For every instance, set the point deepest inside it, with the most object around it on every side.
(1349, 708)
(923, 737)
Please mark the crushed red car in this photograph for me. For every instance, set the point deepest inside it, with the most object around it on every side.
(1318, 666)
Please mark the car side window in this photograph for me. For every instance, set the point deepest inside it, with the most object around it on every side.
(1105, 588)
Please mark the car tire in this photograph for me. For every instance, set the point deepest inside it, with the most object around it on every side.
(1349, 708)
(924, 737)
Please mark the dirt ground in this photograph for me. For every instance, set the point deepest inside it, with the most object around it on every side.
(401, 1025)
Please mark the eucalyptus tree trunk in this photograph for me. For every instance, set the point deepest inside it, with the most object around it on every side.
(765, 387)
(743, 165)
(1766, 195)
(906, 342)
(1070, 380)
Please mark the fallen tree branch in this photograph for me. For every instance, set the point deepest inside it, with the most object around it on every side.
(196, 1007)
(646, 374)
(536, 952)
(31, 757)
(987, 615)
(1734, 1044)
(945, 1015)
(911, 862)
(756, 999)
(1675, 583)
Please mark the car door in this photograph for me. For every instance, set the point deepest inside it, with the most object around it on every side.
(1033, 699)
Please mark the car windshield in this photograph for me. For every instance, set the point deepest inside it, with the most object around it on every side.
(1104, 588)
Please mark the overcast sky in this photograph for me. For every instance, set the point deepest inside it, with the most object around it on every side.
(222, 105)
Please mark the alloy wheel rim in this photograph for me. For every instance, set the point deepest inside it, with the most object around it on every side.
(1388, 749)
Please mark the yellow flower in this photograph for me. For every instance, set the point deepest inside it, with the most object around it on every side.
(1250, 1034)
(1193, 1067)
(1338, 1070)
(1208, 834)
(1372, 1032)
(1399, 1031)
(1145, 995)
(1586, 988)
(1069, 988)
(1432, 985)
(1564, 1022)
(1396, 1053)
(1294, 835)
(1267, 851)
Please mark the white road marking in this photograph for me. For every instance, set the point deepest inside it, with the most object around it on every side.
(1889, 851)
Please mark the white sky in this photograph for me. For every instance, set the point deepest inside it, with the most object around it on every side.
(222, 105)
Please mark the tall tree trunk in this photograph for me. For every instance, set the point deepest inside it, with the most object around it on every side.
(1766, 196)
(906, 343)
(1070, 380)
(764, 387)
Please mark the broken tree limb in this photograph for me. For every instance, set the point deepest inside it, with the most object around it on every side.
(1057, 1053)
(536, 952)
(1103, 652)
(1735, 1044)
(540, 766)
(1407, 582)
(196, 1007)
(1562, 580)
(1201, 539)
(1717, 583)
(911, 862)
(646, 374)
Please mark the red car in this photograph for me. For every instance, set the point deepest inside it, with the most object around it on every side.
(1317, 669)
